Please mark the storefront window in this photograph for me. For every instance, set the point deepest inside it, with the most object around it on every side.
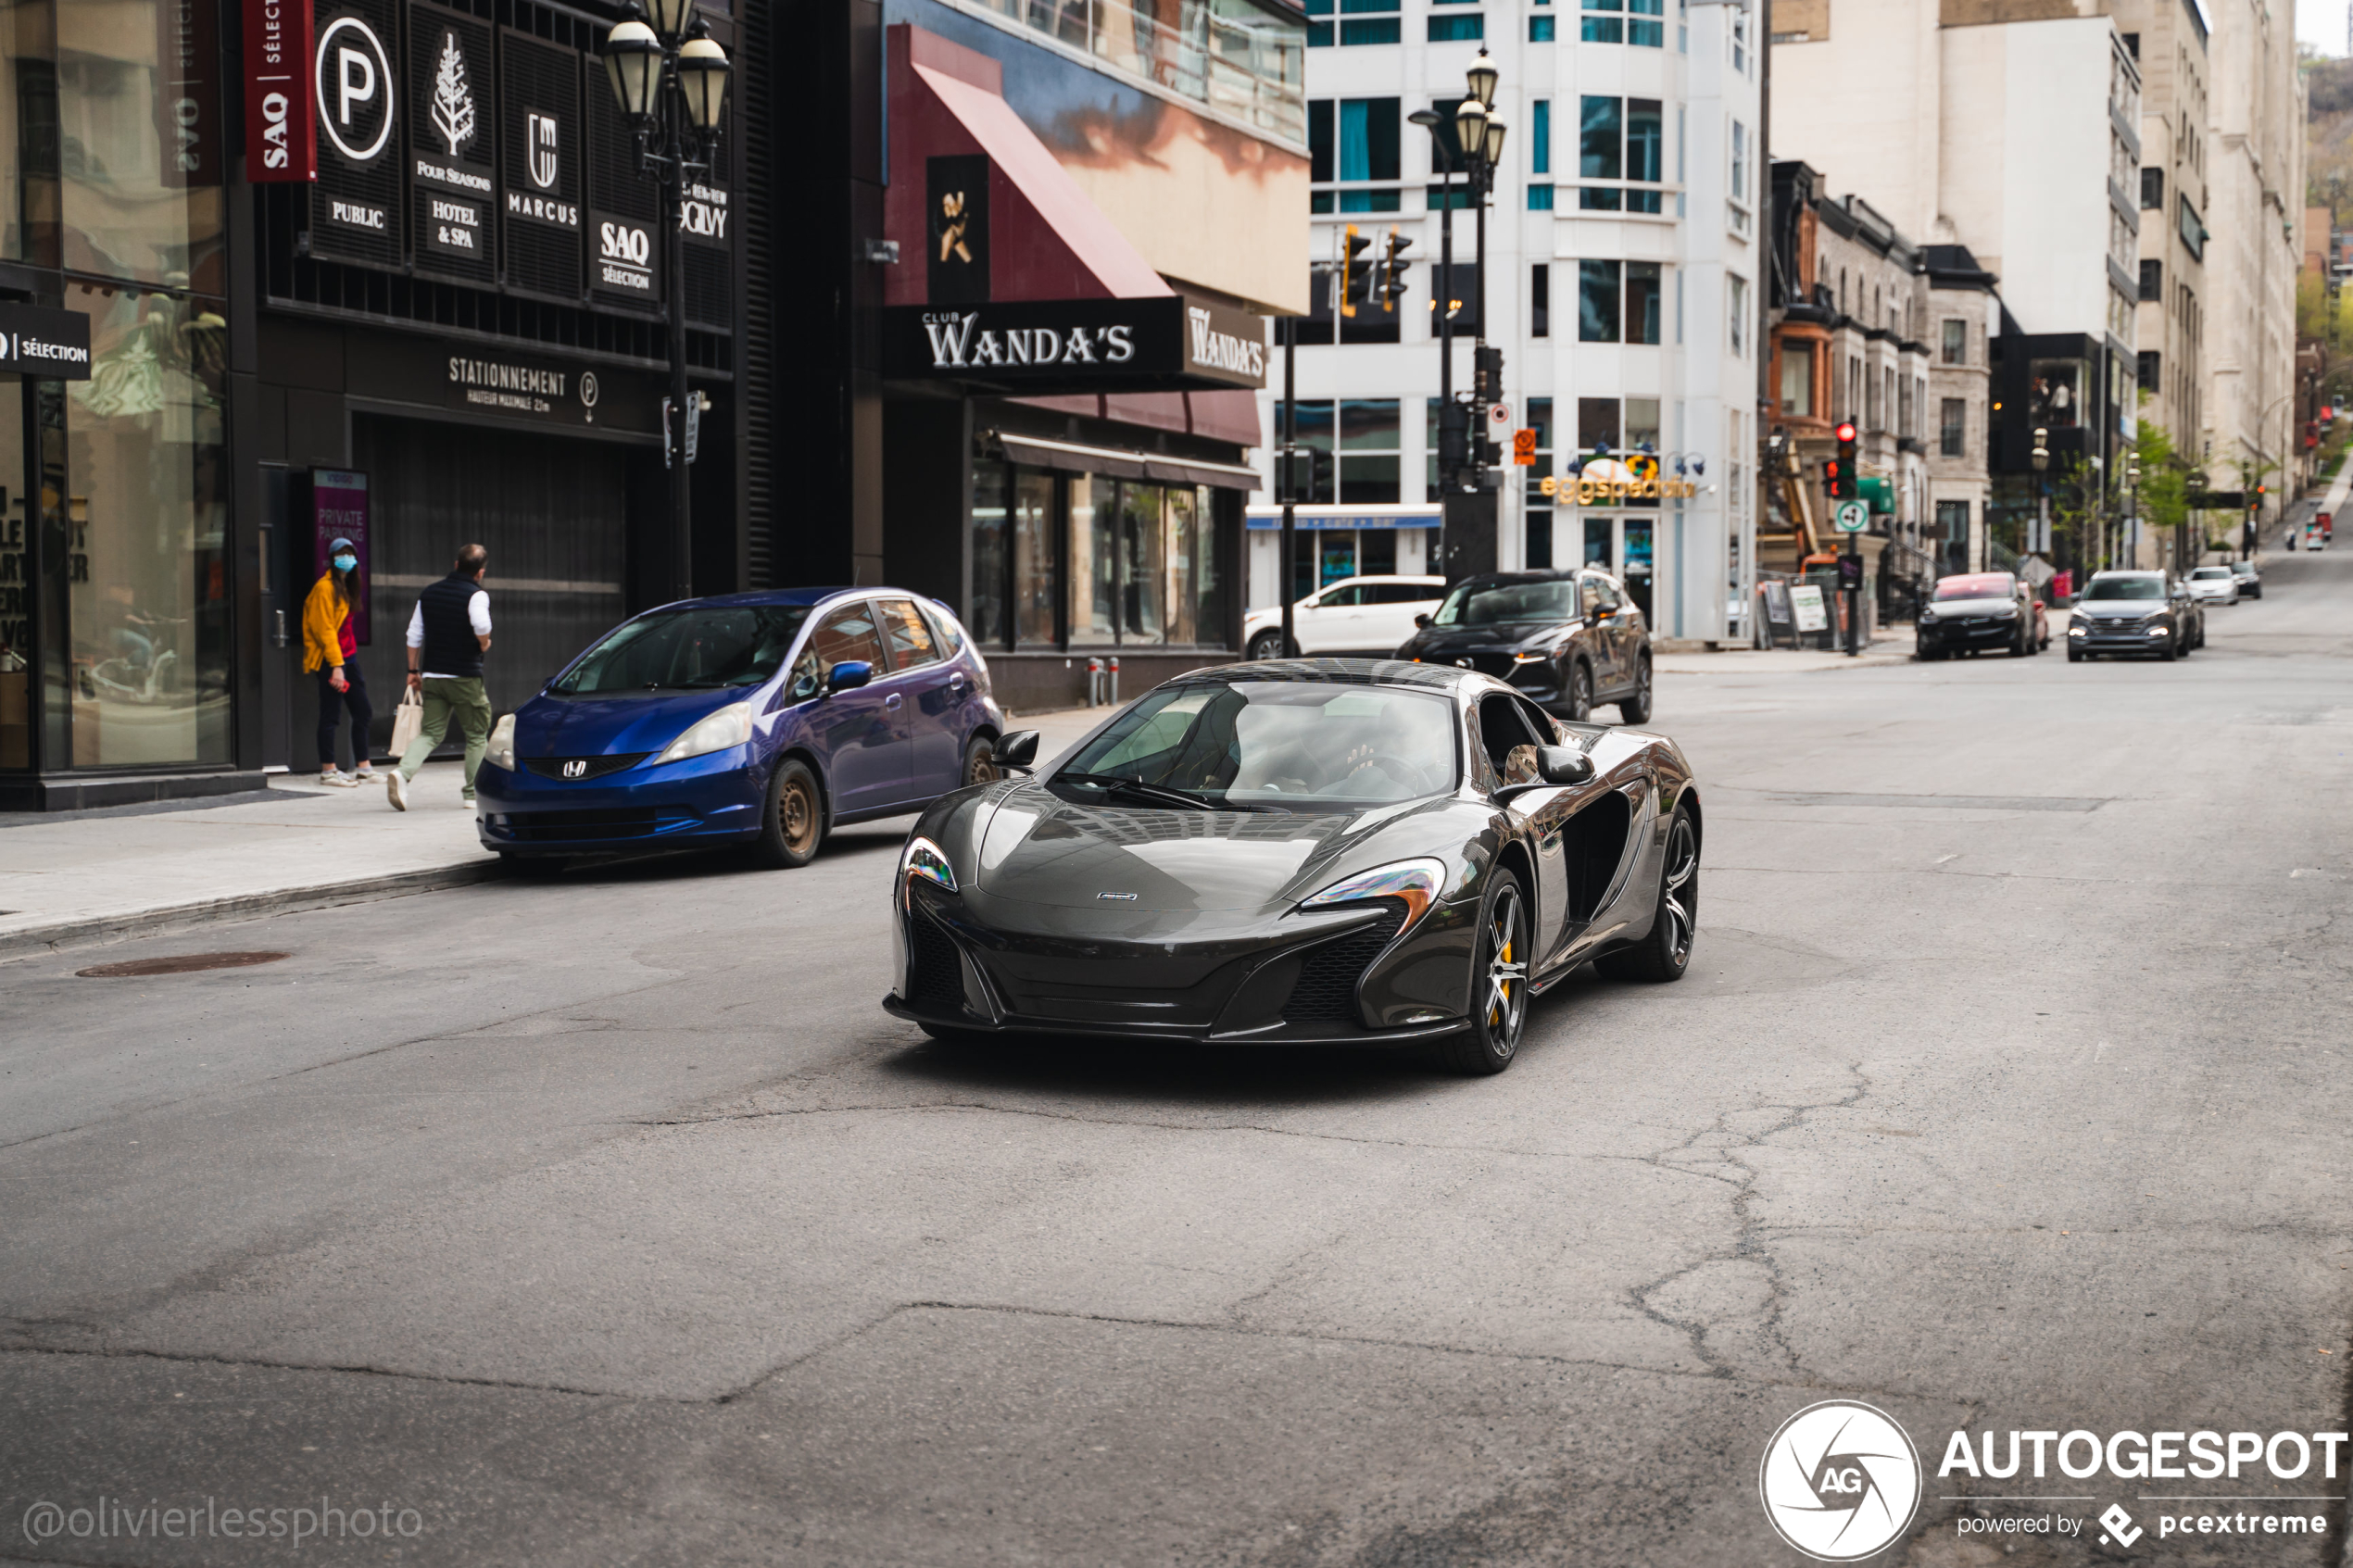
(986, 615)
(16, 589)
(29, 115)
(1599, 549)
(1033, 527)
(1143, 559)
(1094, 559)
(146, 510)
(140, 141)
(1185, 527)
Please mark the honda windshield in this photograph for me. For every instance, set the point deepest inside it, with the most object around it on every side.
(691, 647)
(1253, 744)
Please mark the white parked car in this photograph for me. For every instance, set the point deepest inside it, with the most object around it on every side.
(2214, 585)
(1363, 615)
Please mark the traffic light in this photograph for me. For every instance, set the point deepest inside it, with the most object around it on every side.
(1392, 268)
(1838, 472)
(1357, 276)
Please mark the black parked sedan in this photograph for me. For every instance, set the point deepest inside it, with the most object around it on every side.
(1331, 852)
(1566, 640)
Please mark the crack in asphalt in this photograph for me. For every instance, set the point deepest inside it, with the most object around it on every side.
(1750, 1243)
(927, 1107)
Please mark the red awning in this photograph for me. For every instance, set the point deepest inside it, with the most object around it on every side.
(1044, 238)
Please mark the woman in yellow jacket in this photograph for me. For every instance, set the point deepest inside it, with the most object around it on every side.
(331, 651)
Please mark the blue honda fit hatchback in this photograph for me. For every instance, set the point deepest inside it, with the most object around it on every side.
(760, 719)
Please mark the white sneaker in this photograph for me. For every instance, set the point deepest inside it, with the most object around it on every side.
(397, 791)
(335, 778)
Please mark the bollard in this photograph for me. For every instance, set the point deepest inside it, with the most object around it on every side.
(1094, 682)
(1115, 683)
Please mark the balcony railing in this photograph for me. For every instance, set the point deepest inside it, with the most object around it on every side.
(1226, 54)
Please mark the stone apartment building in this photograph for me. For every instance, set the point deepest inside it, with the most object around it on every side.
(1868, 325)
(2169, 40)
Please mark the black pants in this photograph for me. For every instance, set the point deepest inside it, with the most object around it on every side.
(355, 699)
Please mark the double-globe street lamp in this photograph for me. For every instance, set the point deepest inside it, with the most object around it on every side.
(1476, 148)
(672, 79)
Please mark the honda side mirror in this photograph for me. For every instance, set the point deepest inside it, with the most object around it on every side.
(1018, 749)
(1421, 621)
(849, 675)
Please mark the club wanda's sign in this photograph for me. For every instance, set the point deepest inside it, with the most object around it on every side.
(1169, 342)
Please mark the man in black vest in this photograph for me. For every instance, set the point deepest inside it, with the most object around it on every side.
(447, 635)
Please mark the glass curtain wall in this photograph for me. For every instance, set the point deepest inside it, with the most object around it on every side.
(111, 147)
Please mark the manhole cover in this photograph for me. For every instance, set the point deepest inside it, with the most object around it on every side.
(187, 963)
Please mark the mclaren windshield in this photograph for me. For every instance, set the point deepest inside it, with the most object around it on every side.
(692, 647)
(1254, 745)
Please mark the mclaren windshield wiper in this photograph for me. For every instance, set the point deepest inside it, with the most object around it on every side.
(1163, 795)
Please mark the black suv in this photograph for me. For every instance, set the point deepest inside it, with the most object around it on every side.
(1567, 639)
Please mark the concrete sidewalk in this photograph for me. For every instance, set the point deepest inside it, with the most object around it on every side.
(81, 878)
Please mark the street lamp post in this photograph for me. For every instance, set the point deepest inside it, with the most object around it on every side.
(672, 79)
(1477, 146)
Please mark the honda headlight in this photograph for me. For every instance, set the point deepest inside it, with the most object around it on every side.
(924, 858)
(713, 732)
(500, 753)
(1416, 884)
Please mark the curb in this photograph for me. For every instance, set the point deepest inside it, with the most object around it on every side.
(102, 929)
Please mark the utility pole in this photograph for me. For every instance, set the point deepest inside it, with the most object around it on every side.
(1290, 473)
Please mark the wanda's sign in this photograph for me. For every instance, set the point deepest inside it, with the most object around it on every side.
(1169, 341)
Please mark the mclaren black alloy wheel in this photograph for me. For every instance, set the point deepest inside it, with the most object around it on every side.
(1499, 984)
(980, 762)
(1636, 707)
(1266, 646)
(1580, 692)
(1666, 953)
(792, 821)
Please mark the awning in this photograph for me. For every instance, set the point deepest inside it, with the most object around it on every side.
(1326, 515)
(1072, 458)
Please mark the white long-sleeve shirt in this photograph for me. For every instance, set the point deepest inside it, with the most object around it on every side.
(477, 616)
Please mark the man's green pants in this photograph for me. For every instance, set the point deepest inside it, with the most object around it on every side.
(449, 696)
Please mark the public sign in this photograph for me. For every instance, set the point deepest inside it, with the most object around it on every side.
(1806, 598)
(51, 345)
(1853, 517)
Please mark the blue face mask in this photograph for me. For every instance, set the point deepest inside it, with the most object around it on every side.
(345, 563)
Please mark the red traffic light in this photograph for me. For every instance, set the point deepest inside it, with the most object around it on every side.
(1847, 429)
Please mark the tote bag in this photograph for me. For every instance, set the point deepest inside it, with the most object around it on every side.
(408, 720)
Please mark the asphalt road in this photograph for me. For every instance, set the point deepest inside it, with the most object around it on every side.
(609, 1221)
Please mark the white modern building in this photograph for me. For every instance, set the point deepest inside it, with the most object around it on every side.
(1625, 250)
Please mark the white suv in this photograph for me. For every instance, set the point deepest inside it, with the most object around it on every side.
(1364, 615)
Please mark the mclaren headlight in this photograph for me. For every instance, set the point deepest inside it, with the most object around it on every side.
(925, 859)
(713, 732)
(1416, 884)
(500, 753)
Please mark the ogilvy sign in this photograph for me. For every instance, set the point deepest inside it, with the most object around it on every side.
(1169, 341)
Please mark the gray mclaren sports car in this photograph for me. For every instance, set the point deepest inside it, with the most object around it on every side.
(1329, 852)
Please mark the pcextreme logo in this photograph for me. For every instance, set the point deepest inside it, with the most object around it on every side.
(1840, 1481)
